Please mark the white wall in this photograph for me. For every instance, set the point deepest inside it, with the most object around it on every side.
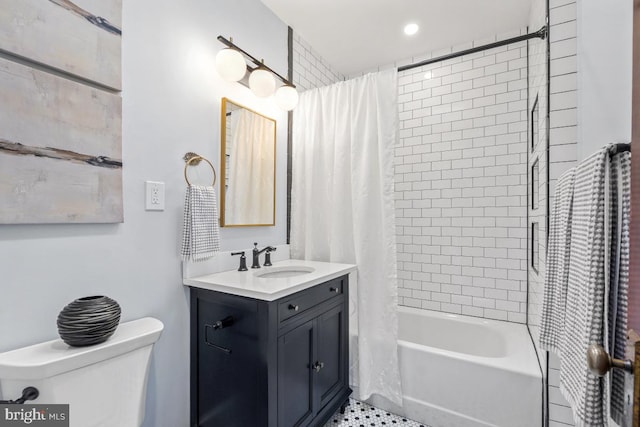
(171, 105)
(605, 31)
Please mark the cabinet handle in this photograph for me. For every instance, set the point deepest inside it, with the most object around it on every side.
(336, 290)
(317, 366)
(293, 307)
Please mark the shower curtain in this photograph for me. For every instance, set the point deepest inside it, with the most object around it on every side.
(249, 196)
(342, 210)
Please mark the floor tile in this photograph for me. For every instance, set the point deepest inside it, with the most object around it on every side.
(360, 414)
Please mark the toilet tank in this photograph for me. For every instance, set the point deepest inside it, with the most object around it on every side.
(105, 385)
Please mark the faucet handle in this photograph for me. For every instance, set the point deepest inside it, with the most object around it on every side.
(267, 256)
(243, 260)
(255, 246)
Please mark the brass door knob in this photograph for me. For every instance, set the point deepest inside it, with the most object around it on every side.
(600, 362)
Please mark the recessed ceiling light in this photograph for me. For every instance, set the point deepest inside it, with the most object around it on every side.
(411, 29)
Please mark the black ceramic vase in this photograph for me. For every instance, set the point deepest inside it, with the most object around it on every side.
(88, 321)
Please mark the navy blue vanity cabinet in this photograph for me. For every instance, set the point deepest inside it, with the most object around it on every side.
(295, 378)
(281, 363)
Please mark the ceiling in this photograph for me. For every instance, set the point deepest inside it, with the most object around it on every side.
(358, 35)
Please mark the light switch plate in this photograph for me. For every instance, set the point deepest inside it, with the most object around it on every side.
(154, 196)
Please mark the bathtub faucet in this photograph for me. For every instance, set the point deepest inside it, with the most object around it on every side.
(256, 255)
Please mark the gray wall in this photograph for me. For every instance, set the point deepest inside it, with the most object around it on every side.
(604, 53)
(171, 105)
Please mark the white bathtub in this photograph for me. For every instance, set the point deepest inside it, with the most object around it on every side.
(460, 371)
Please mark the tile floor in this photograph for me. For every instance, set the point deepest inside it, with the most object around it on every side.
(360, 414)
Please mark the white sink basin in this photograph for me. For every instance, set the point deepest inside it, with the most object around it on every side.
(285, 271)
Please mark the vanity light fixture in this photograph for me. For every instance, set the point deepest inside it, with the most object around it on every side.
(262, 79)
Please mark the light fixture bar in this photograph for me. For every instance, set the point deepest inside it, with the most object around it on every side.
(253, 59)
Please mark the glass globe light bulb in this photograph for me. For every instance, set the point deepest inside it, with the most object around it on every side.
(286, 97)
(262, 83)
(230, 65)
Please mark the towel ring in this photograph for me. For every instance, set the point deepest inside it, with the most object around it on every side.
(196, 160)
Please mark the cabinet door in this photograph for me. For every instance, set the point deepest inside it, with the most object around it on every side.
(295, 356)
(227, 367)
(330, 367)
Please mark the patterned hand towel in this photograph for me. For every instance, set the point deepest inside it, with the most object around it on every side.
(586, 282)
(598, 280)
(201, 231)
(585, 292)
(616, 333)
(557, 274)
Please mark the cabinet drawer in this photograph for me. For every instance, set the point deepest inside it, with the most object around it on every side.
(300, 302)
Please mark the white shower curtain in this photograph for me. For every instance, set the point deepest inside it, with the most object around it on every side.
(342, 210)
(249, 196)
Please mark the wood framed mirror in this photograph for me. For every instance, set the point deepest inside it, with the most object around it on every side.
(247, 166)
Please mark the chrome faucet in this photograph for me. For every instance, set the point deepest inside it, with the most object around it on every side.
(256, 255)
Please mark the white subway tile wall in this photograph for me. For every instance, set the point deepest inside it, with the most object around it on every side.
(538, 155)
(563, 80)
(562, 150)
(539, 165)
(461, 183)
(310, 70)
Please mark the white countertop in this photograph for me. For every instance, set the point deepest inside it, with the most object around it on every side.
(248, 284)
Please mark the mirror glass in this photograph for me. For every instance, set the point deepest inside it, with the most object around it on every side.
(248, 167)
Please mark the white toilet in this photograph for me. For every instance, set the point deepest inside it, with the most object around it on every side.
(105, 385)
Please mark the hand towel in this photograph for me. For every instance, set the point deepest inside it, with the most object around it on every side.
(596, 302)
(201, 229)
(586, 282)
(616, 332)
(557, 268)
(585, 291)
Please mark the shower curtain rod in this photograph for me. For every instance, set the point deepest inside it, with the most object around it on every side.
(541, 34)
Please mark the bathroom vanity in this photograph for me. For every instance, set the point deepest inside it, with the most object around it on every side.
(270, 347)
